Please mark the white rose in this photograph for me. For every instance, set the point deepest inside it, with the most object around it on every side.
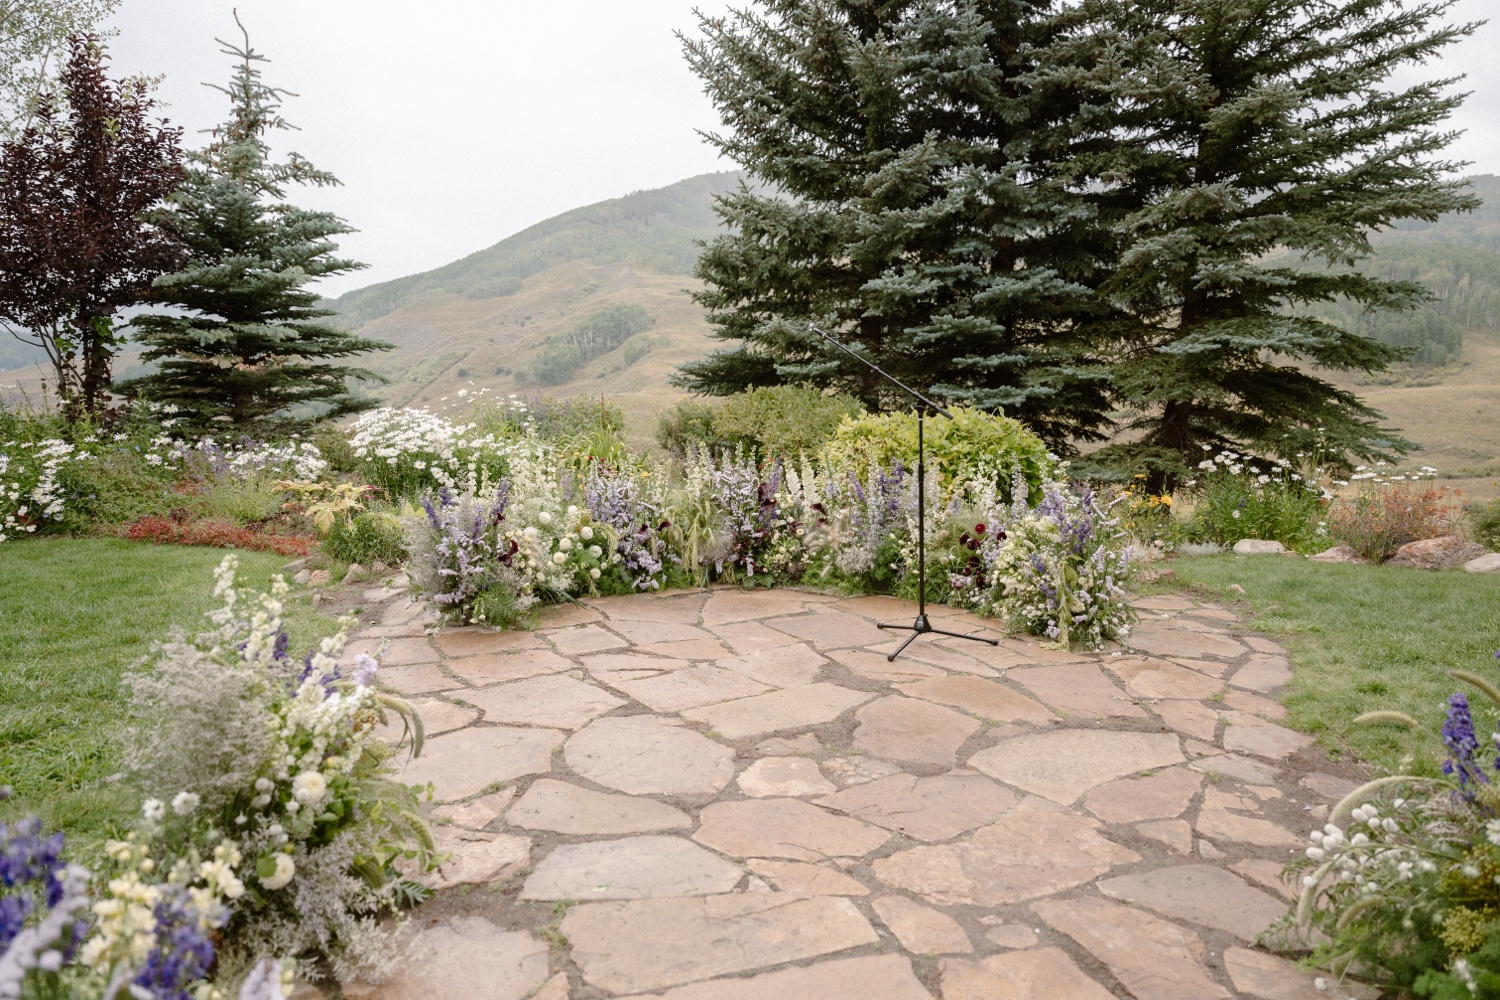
(282, 876)
(309, 787)
(544, 517)
(594, 573)
(559, 558)
(586, 533)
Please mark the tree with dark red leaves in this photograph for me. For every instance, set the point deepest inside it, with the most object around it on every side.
(78, 241)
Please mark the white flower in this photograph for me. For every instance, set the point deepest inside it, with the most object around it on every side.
(1236, 515)
(282, 876)
(594, 573)
(566, 544)
(264, 784)
(185, 803)
(153, 809)
(544, 517)
(1492, 831)
(309, 787)
(559, 558)
(586, 533)
(293, 806)
(595, 551)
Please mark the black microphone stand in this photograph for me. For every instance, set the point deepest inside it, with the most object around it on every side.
(921, 626)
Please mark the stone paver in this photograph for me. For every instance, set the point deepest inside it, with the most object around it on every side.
(648, 944)
(738, 788)
(1267, 977)
(631, 868)
(562, 807)
(900, 728)
(643, 755)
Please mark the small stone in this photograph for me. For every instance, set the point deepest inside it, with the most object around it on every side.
(1235, 588)
(848, 771)
(1487, 563)
(476, 858)
(585, 639)
(477, 813)
(319, 578)
(552, 700)
(464, 763)
(930, 809)
(1037, 974)
(1175, 833)
(1152, 958)
(888, 977)
(784, 828)
(690, 688)
(1147, 678)
(1209, 851)
(1191, 717)
(794, 708)
(832, 630)
(355, 574)
(563, 807)
(1444, 552)
(1163, 640)
(1012, 936)
(630, 868)
(920, 929)
(977, 696)
(1327, 785)
(1200, 894)
(1063, 765)
(303, 576)
(1031, 852)
(648, 755)
(900, 728)
(1163, 795)
(1339, 554)
(646, 944)
(466, 957)
(772, 777)
(1258, 547)
(1261, 644)
(1249, 734)
(1080, 690)
(807, 879)
(784, 667)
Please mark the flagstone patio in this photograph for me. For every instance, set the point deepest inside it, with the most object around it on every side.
(733, 794)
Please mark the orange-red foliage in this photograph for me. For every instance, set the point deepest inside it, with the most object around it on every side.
(1382, 518)
(216, 534)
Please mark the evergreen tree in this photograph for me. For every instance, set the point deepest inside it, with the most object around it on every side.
(245, 348)
(1245, 138)
(905, 200)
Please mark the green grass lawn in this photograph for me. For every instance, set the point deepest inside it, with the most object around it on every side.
(74, 615)
(1365, 638)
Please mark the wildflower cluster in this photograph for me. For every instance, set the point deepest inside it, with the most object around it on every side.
(1238, 496)
(1389, 509)
(34, 484)
(407, 450)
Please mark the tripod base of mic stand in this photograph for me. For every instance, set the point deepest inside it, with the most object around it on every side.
(923, 627)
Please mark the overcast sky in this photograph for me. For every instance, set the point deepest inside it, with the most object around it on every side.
(455, 123)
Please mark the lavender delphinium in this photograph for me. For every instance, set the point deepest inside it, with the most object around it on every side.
(460, 555)
(1462, 744)
(39, 888)
(614, 499)
(748, 507)
(182, 955)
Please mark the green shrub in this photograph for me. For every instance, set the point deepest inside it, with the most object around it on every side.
(1235, 499)
(686, 424)
(1485, 519)
(783, 419)
(974, 445)
(370, 536)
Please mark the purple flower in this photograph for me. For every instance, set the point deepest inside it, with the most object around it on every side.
(29, 863)
(182, 955)
(1459, 738)
(364, 669)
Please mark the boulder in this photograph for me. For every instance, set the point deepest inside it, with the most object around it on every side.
(1443, 552)
(1487, 563)
(303, 576)
(1339, 554)
(319, 578)
(1258, 547)
(356, 573)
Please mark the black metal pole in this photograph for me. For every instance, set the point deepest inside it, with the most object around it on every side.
(921, 626)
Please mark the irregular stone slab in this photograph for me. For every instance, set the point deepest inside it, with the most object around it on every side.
(691, 649)
(1076, 689)
(632, 868)
(1162, 604)
(398, 652)
(600, 663)
(783, 667)
(1147, 678)
(1244, 701)
(648, 944)
(888, 977)
(1200, 894)
(807, 879)
(638, 631)
(475, 814)
(1214, 668)
(553, 700)
(775, 777)
(794, 708)
(1263, 673)
(1328, 785)
(900, 728)
(1011, 936)
(1267, 977)
(1258, 547)
(1154, 959)
(1265, 873)
(466, 957)
(562, 807)
(647, 755)
(928, 809)
(467, 762)
(496, 668)
(980, 697)
(476, 639)
(1191, 717)
(930, 652)
(564, 615)
(1251, 771)
(680, 689)
(1261, 644)
(650, 608)
(438, 717)
(1175, 833)
(1487, 563)
(1162, 640)
(747, 637)
(880, 607)
(997, 658)
(476, 858)
(831, 630)
(1250, 734)
(585, 639)
(1160, 796)
(1443, 552)
(848, 771)
(1063, 765)
(875, 667)
(1036, 974)
(920, 929)
(1032, 852)
(784, 828)
(425, 678)
(1029, 650)
(724, 606)
(1216, 822)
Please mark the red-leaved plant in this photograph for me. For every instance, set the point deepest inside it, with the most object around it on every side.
(215, 534)
(1384, 516)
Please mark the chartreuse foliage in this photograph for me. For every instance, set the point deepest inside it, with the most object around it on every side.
(973, 445)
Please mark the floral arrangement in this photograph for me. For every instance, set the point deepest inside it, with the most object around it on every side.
(1400, 884)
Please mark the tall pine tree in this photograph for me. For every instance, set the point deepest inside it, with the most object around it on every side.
(245, 348)
(1243, 139)
(905, 201)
